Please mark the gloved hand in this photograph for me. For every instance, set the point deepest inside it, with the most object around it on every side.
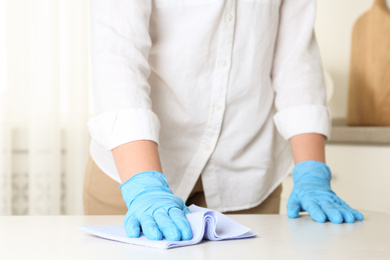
(312, 193)
(153, 207)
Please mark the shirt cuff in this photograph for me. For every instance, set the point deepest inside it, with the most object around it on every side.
(115, 128)
(303, 119)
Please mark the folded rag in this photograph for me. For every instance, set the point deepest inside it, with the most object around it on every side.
(205, 224)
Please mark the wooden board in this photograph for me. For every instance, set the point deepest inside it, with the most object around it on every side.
(369, 80)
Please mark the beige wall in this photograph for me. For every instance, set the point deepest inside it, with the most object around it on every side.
(335, 19)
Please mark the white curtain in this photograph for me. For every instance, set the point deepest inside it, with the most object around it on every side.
(45, 105)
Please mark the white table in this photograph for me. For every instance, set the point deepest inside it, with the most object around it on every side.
(57, 237)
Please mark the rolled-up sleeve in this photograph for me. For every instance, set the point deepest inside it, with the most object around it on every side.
(297, 73)
(120, 45)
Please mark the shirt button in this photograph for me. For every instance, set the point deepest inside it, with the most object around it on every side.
(207, 147)
(223, 63)
(217, 107)
(229, 17)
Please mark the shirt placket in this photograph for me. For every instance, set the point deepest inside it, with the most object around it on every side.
(218, 103)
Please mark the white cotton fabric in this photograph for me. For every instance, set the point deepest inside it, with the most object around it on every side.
(220, 85)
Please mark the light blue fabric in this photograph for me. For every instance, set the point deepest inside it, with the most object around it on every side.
(153, 208)
(312, 193)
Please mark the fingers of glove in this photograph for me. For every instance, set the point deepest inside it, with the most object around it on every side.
(179, 218)
(166, 225)
(333, 214)
(347, 215)
(150, 228)
(293, 207)
(132, 227)
(315, 211)
(356, 214)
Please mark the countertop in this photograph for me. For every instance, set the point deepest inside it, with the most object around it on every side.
(57, 237)
(369, 135)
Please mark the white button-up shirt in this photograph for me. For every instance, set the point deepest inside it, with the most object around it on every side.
(220, 85)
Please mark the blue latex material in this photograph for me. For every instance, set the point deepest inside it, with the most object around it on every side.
(312, 193)
(154, 209)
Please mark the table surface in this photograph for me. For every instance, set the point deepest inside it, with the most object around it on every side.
(57, 237)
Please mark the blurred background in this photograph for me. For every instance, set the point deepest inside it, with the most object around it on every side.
(45, 103)
(45, 106)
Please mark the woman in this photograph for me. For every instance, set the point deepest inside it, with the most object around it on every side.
(207, 96)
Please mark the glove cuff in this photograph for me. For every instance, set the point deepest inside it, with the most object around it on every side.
(143, 182)
(311, 169)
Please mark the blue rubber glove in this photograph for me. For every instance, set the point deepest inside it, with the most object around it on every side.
(312, 193)
(153, 207)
